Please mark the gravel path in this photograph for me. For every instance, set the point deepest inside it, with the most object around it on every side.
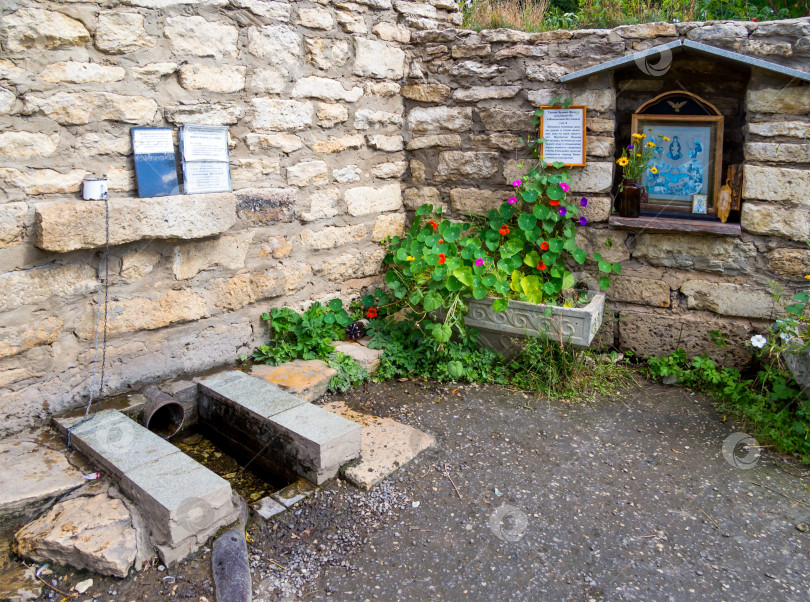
(624, 499)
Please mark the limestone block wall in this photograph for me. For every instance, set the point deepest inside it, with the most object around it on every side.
(311, 93)
(343, 116)
(469, 97)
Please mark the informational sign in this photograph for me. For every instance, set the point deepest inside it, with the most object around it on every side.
(206, 162)
(155, 163)
(563, 131)
(200, 177)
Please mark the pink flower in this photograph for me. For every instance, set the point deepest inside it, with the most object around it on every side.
(517, 183)
(512, 200)
(564, 186)
(479, 262)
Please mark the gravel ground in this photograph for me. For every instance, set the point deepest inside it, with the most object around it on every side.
(630, 498)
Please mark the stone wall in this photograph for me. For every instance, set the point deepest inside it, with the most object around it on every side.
(311, 92)
(470, 96)
(343, 116)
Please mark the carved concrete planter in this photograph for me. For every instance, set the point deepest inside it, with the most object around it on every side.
(574, 325)
(799, 364)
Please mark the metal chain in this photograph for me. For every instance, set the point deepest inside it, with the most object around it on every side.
(106, 259)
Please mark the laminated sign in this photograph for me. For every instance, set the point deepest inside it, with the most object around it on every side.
(206, 162)
(563, 134)
(155, 163)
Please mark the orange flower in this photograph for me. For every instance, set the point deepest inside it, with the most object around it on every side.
(441, 240)
(371, 313)
(544, 246)
(442, 258)
(554, 203)
(541, 266)
(504, 230)
(434, 224)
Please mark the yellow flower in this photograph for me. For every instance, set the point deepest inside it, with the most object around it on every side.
(808, 276)
(653, 170)
(667, 139)
(622, 161)
(638, 135)
(638, 154)
(409, 257)
(651, 144)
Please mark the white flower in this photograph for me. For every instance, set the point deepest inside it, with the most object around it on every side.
(758, 341)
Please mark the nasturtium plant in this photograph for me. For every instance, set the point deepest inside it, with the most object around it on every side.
(523, 250)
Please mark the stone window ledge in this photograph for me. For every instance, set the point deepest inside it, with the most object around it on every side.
(64, 226)
(659, 224)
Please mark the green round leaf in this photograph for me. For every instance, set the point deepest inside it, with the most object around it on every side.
(527, 221)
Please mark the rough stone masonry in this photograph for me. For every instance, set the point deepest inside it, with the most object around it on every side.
(343, 116)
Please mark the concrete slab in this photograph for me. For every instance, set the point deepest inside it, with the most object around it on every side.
(33, 473)
(180, 498)
(368, 358)
(386, 445)
(317, 442)
(252, 394)
(294, 493)
(307, 379)
(267, 508)
(115, 441)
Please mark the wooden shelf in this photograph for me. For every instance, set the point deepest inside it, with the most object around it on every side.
(661, 224)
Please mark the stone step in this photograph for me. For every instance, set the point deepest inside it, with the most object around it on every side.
(183, 502)
(278, 429)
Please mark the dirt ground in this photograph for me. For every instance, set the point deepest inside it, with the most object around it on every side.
(631, 498)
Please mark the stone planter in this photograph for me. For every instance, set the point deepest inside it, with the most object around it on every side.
(799, 364)
(576, 326)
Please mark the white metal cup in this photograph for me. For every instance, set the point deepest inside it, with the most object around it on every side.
(94, 189)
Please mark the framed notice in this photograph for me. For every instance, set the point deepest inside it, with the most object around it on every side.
(563, 134)
(155, 163)
(205, 159)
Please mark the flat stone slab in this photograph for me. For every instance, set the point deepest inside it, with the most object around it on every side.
(116, 442)
(386, 445)
(368, 358)
(294, 493)
(317, 442)
(33, 474)
(252, 394)
(267, 508)
(180, 498)
(307, 379)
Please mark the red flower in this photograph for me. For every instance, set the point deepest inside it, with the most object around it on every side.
(541, 266)
(504, 230)
(441, 240)
(434, 224)
(442, 258)
(371, 313)
(554, 203)
(544, 246)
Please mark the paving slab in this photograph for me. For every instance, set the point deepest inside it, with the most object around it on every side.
(386, 445)
(267, 508)
(316, 441)
(115, 442)
(307, 379)
(180, 498)
(294, 493)
(252, 394)
(38, 473)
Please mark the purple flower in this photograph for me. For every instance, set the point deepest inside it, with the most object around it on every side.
(517, 183)
(629, 147)
(512, 200)
(582, 221)
(562, 211)
(583, 202)
(479, 262)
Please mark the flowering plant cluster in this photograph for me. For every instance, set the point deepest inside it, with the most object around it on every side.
(637, 155)
(523, 250)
